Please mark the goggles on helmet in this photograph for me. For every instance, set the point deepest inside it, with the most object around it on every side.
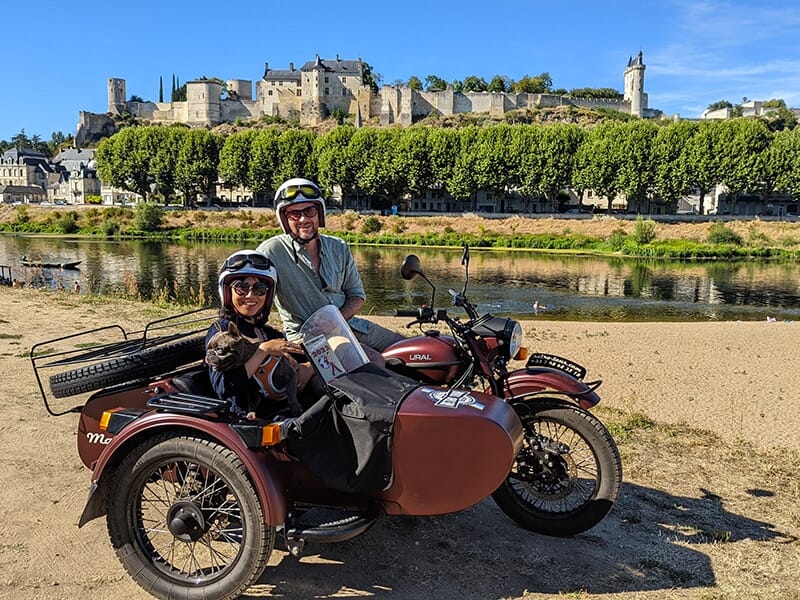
(238, 261)
(290, 192)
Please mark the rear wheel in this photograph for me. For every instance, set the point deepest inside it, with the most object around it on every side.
(185, 520)
(568, 473)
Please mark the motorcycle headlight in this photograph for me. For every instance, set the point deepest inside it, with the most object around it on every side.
(515, 339)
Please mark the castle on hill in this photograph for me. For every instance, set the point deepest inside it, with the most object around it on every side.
(320, 87)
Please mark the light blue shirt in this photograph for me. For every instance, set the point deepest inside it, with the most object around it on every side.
(300, 291)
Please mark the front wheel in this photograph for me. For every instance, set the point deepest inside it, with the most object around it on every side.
(185, 520)
(568, 473)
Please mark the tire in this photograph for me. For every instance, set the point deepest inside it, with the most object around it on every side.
(568, 473)
(152, 361)
(185, 521)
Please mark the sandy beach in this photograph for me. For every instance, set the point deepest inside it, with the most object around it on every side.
(740, 380)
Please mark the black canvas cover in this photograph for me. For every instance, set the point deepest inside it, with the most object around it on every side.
(345, 438)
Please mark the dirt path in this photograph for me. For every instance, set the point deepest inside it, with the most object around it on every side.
(701, 515)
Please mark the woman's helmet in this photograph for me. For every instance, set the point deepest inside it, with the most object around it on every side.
(295, 191)
(247, 263)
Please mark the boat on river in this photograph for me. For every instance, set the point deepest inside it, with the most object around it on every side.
(26, 262)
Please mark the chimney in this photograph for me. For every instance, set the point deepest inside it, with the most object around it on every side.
(337, 58)
(291, 66)
(266, 68)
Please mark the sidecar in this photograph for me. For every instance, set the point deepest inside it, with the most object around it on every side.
(193, 496)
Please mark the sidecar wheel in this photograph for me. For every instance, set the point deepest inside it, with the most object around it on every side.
(185, 520)
(568, 473)
(152, 361)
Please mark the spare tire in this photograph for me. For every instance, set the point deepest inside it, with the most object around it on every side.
(152, 361)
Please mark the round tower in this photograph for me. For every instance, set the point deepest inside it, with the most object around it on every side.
(634, 85)
(116, 96)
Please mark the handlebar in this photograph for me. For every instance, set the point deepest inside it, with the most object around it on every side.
(405, 312)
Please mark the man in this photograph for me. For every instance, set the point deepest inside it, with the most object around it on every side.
(316, 269)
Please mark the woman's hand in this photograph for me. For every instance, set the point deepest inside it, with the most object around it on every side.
(281, 347)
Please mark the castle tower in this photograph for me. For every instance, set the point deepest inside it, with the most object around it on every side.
(203, 102)
(634, 85)
(116, 96)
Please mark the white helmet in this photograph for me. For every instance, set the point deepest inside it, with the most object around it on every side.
(294, 191)
(247, 263)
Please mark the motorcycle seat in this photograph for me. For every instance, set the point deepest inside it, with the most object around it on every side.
(195, 382)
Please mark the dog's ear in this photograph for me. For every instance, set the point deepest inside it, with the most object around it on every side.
(233, 329)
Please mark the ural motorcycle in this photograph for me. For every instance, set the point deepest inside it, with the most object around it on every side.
(567, 475)
(195, 498)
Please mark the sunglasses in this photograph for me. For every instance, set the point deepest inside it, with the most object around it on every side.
(290, 192)
(308, 211)
(241, 288)
(238, 261)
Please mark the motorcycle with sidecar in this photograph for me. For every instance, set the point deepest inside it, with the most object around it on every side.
(195, 498)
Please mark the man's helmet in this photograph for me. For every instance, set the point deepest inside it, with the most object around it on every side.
(247, 263)
(295, 191)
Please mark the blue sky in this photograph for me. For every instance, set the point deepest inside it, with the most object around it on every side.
(58, 55)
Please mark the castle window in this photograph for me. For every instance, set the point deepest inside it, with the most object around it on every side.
(326, 79)
(344, 91)
(280, 83)
(299, 93)
(269, 92)
(327, 91)
(344, 79)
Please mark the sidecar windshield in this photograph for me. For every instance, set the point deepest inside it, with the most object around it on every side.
(330, 343)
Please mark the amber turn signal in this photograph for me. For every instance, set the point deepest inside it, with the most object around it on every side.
(271, 434)
(522, 353)
(105, 418)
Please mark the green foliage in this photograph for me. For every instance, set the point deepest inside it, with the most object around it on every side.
(644, 231)
(148, 217)
(719, 233)
(617, 239)
(110, 227)
(371, 224)
(67, 223)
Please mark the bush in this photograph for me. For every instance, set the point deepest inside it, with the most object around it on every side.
(644, 231)
(67, 223)
(617, 239)
(371, 224)
(148, 217)
(110, 228)
(718, 233)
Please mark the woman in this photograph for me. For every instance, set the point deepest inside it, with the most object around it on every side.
(266, 381)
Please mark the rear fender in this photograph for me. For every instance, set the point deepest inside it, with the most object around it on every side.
(261, 465)
(537, 380)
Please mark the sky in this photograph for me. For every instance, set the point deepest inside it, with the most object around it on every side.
(59, 55)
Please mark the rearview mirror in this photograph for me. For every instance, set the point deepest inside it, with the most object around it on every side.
(410, 267)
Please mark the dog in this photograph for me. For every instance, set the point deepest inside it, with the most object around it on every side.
(276, 377)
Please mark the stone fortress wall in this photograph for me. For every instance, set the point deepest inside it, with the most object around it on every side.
(320, 87)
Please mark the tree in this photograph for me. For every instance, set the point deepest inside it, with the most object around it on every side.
(369, 77)
(637, 173)
(434, 82)
(124, 160)
(263, 161)
(413, 158)
(703, 156)
(540, 84)
(414, 83)
(160, 89)
(331, 158)
(600, 160)
(234, 158)
(196, 164)
(295, 156)
(672, 178)
(499, 83)
(473, 83)
(720, 104)
(746, 140)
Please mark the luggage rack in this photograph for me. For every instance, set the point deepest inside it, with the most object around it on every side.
(51, 354)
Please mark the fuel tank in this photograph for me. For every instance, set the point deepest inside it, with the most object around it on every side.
(429, 358)
(451, 449)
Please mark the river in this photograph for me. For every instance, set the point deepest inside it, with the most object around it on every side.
(522, 284)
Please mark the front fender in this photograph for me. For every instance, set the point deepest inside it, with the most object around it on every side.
(261, 465)
(535, 380)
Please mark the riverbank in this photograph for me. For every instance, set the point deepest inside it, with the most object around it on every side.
(598, 234)
(704, 414)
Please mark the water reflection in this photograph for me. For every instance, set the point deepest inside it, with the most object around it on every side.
(564, 287)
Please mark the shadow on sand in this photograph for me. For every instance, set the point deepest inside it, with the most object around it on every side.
(650, 541)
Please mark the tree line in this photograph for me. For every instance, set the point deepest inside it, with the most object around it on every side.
(651, 164)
